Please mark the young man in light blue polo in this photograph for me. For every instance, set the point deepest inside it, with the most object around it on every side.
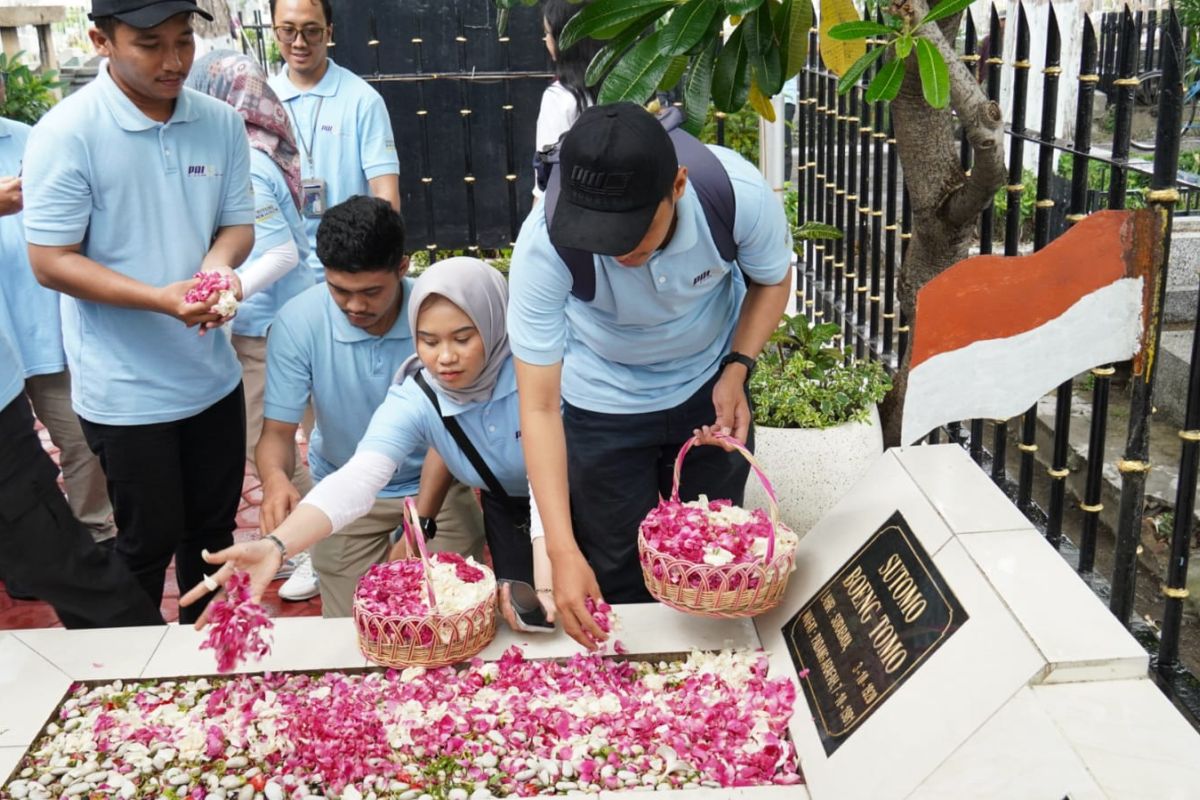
(659, 344)
(132, 185)
(34, 313)
(339, 346)
(341, 123)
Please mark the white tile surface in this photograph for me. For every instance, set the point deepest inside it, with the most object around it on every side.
(1017, 753)
(960, 491)
(95, 654)
(9, 758)
(748, 793)
(644, 628)
(1072, 628)
(974, 673)
(30, 687)
(298, 643)
(1134, 742)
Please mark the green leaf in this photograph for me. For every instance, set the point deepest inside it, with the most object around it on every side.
(605, 19)
(731, 85)
(858, 68)
(886, 84)
(603, 61)
(673, 74)
(740, 8)
(762, 50)
(849, 31)
(687, 26)
(935, 76)
(817, 230)
(637, 74)
(946, 8)
(799, 20)
(697, 88)
(904, 45)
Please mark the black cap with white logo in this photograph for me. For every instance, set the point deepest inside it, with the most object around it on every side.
(143, 14)
(617, 165)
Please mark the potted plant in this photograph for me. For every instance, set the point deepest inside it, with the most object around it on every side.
(817, 427)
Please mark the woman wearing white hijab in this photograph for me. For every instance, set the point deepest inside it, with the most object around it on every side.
(461, 373)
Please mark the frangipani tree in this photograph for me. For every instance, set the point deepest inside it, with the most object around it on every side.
(733, 52)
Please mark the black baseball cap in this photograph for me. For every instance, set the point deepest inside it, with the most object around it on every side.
(143, 14)
(616, 165)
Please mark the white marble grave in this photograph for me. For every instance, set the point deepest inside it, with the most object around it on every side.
(1040, 693)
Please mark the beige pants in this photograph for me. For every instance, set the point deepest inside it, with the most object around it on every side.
(87, 488)
(252, 353)
(343, 558)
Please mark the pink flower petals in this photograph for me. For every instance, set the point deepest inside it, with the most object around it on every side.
(514, 727)
(210, 283)
(237, 625)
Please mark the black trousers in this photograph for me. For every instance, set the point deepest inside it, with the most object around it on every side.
(619, 464)
(175, 488)
(506, 528)
(44, 547)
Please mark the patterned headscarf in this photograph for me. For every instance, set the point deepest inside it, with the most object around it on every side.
(239, 81)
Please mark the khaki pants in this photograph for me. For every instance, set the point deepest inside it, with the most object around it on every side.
(343, 558)
(87, 488)
(252, 353)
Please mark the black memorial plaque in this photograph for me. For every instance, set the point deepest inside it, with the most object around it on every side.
(869, 628)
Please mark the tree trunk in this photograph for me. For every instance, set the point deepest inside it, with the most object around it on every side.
(946, 202)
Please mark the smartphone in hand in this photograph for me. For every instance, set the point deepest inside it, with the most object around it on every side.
(531, 617)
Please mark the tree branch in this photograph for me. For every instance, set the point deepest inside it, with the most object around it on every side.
(982, 122)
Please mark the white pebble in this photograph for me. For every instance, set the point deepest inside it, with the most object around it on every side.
(75, 789)
(626, 776)
(98, 776)
(457, 794)
(487, 761)
(179, 779)
(232, 781)
(273, 791)
(496, 736)
(25, 773)
(411, 794)
(128, 790)
(351, 793)
(568, 769)
(566, 786)
(246, 792)
(237, 762)
(524, 775)
(19, 789)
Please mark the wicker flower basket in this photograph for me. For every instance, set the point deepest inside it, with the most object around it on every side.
(433, 640)
(726, 591)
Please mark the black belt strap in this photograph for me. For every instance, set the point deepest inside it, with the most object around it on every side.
(463, 441)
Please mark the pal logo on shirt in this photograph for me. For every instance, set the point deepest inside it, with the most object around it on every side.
(204, 171)
(702, 278)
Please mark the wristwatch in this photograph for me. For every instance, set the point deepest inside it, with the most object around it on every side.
(428, 529)
(739, 358)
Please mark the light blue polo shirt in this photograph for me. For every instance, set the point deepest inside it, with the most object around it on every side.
(145, 199)
(12, 372)
(276, 222)
(32, 308)
(654, 334)
(407, 423)
(345, 125)
(314, 351)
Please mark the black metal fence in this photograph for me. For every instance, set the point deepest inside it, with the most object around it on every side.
(1148, 26)
(849, 176)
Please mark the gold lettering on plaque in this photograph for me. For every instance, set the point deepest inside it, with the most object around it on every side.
(862, 594)
(903, 588)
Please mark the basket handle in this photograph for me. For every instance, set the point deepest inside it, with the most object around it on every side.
(772, 501)
(416, 542)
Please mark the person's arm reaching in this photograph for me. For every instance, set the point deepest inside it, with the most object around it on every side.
(274, 458)
(762, 309)
(386, 187)
(545, 448)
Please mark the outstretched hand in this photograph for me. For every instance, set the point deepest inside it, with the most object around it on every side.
(261, 559)
(574, 583)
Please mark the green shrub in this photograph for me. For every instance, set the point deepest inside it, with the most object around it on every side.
(802, 381)
(29, 94)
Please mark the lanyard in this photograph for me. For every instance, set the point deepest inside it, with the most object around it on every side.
(312, 138)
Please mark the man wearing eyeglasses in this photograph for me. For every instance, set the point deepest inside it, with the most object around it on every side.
(341, 123)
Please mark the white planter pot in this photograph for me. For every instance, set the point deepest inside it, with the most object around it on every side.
(812, 468)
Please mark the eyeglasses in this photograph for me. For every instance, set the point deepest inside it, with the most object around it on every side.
(312, 34)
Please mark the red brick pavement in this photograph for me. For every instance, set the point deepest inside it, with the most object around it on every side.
(34, 614)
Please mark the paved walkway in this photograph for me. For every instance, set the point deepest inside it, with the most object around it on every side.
(34, 614)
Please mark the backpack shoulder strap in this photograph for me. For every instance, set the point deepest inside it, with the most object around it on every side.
(462, 440)
(580, 263)
(711, 181)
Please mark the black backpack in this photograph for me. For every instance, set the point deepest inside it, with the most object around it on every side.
(705, 172)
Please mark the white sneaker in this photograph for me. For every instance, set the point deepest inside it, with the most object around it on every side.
(304, 582)
(288, 567)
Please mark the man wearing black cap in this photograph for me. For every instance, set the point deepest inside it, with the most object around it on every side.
(132, 185)
(649, 337)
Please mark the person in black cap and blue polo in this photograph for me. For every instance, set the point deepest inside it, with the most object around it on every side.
(640, 298)
(132, 185)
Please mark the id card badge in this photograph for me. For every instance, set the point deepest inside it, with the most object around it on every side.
(314, 197)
